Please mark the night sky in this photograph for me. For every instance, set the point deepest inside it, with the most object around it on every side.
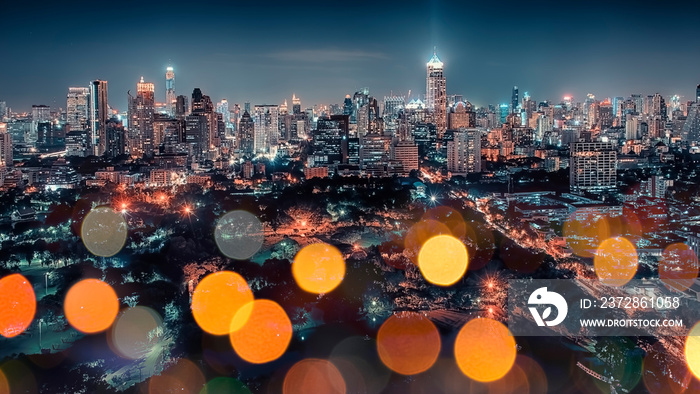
(262, 52)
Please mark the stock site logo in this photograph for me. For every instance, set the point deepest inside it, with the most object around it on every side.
(543, 297)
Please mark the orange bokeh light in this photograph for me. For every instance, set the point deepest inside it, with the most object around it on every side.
(91, 306)
(692, 350)
(216, 300)
(17, 305)
(485, 350)
(443, 260)
(616, 261)
(419, 233)
(408, 343)
(264, 334)
(318, 268)
(314, 375)
(678, 267)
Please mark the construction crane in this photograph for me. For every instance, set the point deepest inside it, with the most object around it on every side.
(614, 384)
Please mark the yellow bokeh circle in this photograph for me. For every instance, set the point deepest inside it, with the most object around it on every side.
(443, 260)
(217, 299)
(318, 268)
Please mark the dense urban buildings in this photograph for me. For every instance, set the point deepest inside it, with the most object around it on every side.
(528, 188)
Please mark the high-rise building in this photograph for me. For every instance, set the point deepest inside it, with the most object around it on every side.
(40, 114)
(246, 135)
(406, 153)
(115, 134)
(330, 140)
(5, 146)
(3, 110)
(296, 105)
(223, 109)
(593, 166)
(266, 117)
(181, 107)
(514, 100)
(690, 133)
(436, 93)
(202, 125)
(461, 116)
(97, 117)
(77, 108)
(464, 152)
(170, 98)
(697, 94)
(141, 110)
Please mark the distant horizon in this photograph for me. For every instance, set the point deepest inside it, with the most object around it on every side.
(320, 53)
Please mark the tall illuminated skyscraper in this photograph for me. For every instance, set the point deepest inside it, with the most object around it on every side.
(77, 108)
(436, 93)
(5, 146)
(98, 115)
(141, 110)
(170, 98)
(514, 99)
(296, 104)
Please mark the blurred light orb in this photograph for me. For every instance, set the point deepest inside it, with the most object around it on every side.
(135, 332)
(485, 350)
(408, 343)
(264, 334)
(443, 260)
(216, 300)
(239, 235)
(17, 305)
(104, 231)
(692, 350)
(616, 261)
(91, 306)
(314, 375)
(318, 268)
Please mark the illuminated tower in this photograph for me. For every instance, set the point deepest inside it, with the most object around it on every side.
(97, 114)
(296, 104)
(170, 98)
(514, 99)
(141, 110)
(436, 93)
(77, 108)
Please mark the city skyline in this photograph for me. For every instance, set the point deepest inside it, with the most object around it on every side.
(563, 54)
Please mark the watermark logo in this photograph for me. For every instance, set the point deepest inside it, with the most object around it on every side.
(543, 297)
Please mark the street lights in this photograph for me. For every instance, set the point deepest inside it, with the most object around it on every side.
(46, 283)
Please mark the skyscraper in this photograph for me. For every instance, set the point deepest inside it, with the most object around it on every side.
(246, 135)
(170, 98)
(97, 117)
(5, 146)
(436, 93)
(141, 110)
(77, 108)
(514, 100)
(464, 152)
(593, 166)
(114, 132)
(266, 119)
(296, 105)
